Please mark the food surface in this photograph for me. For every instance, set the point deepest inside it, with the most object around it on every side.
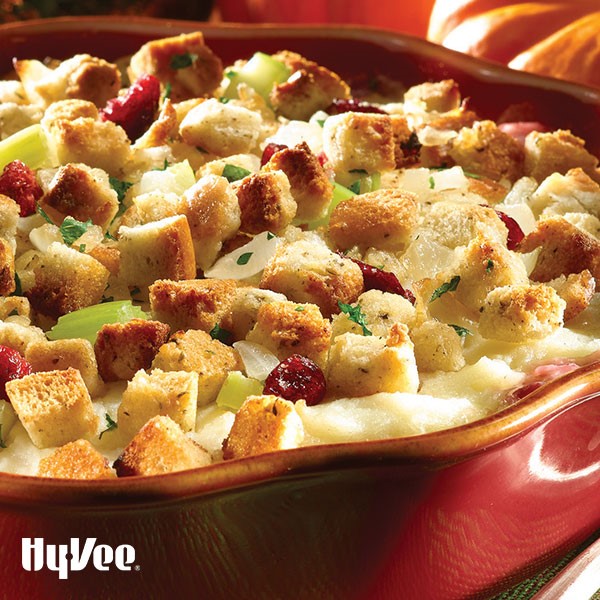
(204, 262)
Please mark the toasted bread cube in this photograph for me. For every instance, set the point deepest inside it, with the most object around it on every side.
(438, 347)
(162, 130)
(82, 193)
(76, 460)
(577, 290)
(62, 354)
(19, 337)
(201, 77)
(287, 328)
(11, 306)
(159, 250)
(221, 129)
(108, 256)
(9, 218)
(15, 116)
(171, 393)
(485, 150)
(54, 407)
(557, 152)
(122, 349)
(66, 280)
(519, 313)
(266, 202)
(69, 109)
(192, 304)
(407, 148)
(7, 268)
(362, 365)
(309, 184)
(195, 350)
(160, 446)
(213, 213)
(440, 96)
(385, 219)
(263, 424)
(309, 272)
(246, 303)
(359, 141)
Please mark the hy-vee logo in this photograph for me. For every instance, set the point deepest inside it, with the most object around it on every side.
(35, 554)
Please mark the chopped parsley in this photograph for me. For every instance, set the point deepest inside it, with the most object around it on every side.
(81, 248)
(299, 309)
(72, 229)
(270, 235)
(167, 93)
(449, 286)
(431, 182)
(121, 188)
(460, 331)
(489, 265)
(224, 100)
(110, 425)
(355, 187)
(2, 444)
(321, 122)
(220, 334)
(355, 314)
(164, 167)
(43, 213)
(244, 258)
(233, 173)
(182, 61)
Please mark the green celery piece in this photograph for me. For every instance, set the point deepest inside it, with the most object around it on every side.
(30, 145)
(340, 193)
(235, 389)
(86, 322)
(261, 72)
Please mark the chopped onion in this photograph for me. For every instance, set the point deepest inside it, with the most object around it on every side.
(258, 361)
(42, 237)
(176, 179)
(429, 136)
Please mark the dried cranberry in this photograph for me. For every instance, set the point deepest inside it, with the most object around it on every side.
(385, 281)
(515, 233)
(134, 111)
(296, 378)
(340, 105)
(12, 366)
(269, 150)
(18, 182)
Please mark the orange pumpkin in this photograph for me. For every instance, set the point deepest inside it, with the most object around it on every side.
(551, 37)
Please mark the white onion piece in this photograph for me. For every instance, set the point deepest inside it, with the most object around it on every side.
(258, 361)
(174, 179)
(521, 213)
(424, 181)
(246, 261)
(295, 132)
(429, 136)
(42, 237)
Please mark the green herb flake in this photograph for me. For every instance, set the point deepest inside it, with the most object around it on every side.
(168, 89)
(233, 173)
(121, 188)
(43, 214)
(72, 229)
(449, 286)
(220, 334)
(182, 61)
(431, 182)
(244, 258)
(110, 236)
(81, 248)
(18, 288)
(321, 122)
(224, 100)
(2, 444)
(110, 425)
(460, 331)
(299, 309)
(355, 187)
(355, 314)
(270, 235)
(230, 73)
(489, 265)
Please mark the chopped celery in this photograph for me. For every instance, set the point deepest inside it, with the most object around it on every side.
(30, 145)
(86, 322)
(236, 388)
(261, 72)
(340, 193)
(175, 178)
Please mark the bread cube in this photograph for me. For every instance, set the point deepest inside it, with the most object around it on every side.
(122, 349)
(170, 393)
(54, 407)
(69, 109)
(7, 268)
(19, 337)
(76, 460)
(247, 301)
(9, 218)
(263, 424)
(14, 305)
(577, 290)
(439, 96)
(438, 347)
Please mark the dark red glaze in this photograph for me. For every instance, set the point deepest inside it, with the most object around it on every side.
(269, 150)
(378, 279)
(340, 105)
(12, 366)
(515, 233)
(134, 111)
(18, 182)
(297, 378)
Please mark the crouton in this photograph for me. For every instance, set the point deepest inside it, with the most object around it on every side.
(11, 306)
(577, 290)
(184, 63)
(310, 88)
(213, 213)
(75, 460)
(82, 193)
(158, 250)
(362, 141)
(15, 116)
(221, 129)
(385, 218)
(108, 256)
(558, 151)
(69, 109)
(304, 271)
(438, 347)
(193, 304)
(263, 424)
(54, 407)
(362, 365)
(162, 130)
(7, 268)
(440, 96)
(266, 202)
(287, 328)
(309, 184)
(66, 280)
(406, 143)
(195, 350)
(246, 303)
(521, 313)
(100, 144)
(9, 218)
(564, 249)
(59, 355)
(452, 120)
(122, 349)
(19, 337)
(151, 206)
(486, 150)
(380, 311)
(160, 447)
(171, 393)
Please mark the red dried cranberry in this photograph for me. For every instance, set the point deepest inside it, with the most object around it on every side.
(134, 111)
(296, 378)
(269, 150)
(340, 105)
(19, 183)
(12, 366)
(515, 233)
